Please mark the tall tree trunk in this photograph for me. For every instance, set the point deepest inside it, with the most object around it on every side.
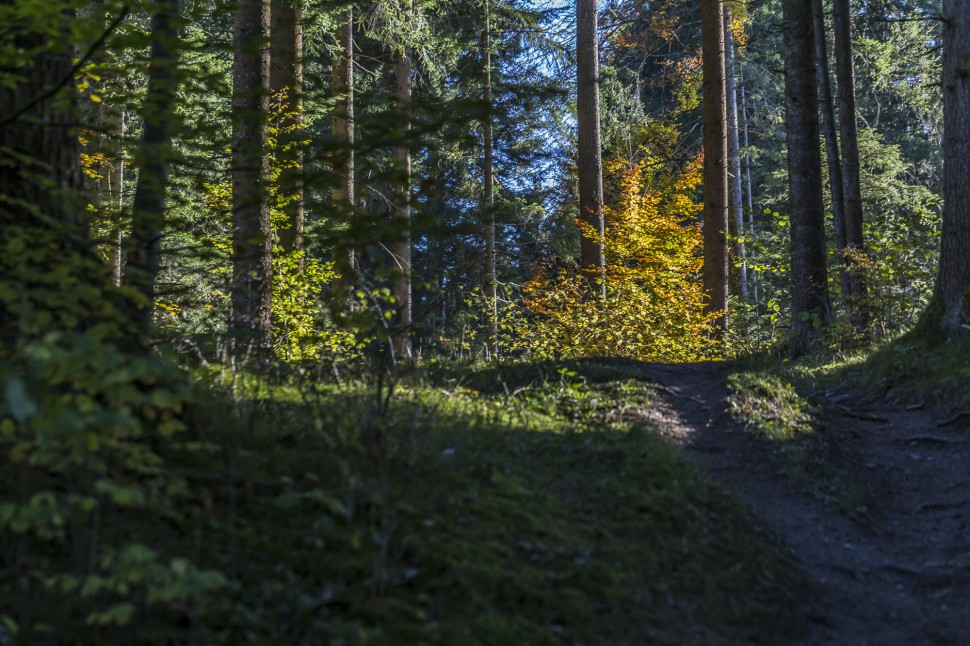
(810, 302)
(488, 193)
(343, 160)
(950, 309)
(850, 157)
(40, 157)
(592, 258)
(108, 193)
(111, 191)
(829, 129)
(252, 268)
(41, 187)
(750, 189)
(148, 209)
(402, 209)
(286, 87)
(715, 162)
(735, 197)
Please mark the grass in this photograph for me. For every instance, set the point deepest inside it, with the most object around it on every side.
(482, 506)
(914, 370)
(806, 446)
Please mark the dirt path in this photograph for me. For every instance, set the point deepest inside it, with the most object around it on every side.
(900, 577)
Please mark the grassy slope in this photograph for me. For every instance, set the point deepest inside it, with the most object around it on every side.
(784, 403)
(914, 369)
(497, 506)
(463, 515)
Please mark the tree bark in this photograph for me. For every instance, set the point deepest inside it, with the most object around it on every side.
(810, 303)
(844, 74)
(111, 191)
(735, 197)
(592, 258)
(343, 160)
(750, 191)
(950, 309)
(40, 158)
(286, 87)
(829, 129)
(401, 340)
(148, 209)
(715, 162)
(252, 268)
(108, 194)
(488, 193)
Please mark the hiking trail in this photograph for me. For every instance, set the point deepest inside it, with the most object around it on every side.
(900, 574)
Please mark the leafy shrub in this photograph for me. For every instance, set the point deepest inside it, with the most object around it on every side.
(654, 305)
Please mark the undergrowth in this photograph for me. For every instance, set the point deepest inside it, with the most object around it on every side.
(494, 506)
(913, 369)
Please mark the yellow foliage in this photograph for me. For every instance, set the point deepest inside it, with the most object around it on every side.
(300, 332)
(653, 309)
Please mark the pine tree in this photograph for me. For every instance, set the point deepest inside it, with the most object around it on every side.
(252, 268)
(950, 310)
(715, 161)
(590, 162)
(810, 302)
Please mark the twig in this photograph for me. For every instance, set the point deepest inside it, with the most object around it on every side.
(70, 75)
(687, 397)
(934, 438)
(955, 418)
(848, 412)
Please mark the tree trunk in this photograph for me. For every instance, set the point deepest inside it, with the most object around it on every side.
(831, 137)
(111, 190)
(950, 310)
(40, 158)
(41, 189)
(750, 191)
(844, 74)
(715, 162)
(488, 194)
(286, 88)
(343, 160)
(108, 194)
(252, 268)
(592, 259)
(810, 303)
(735, 197)
(402, 209)
(148, 209)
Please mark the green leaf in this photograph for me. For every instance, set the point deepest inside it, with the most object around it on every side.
(19, 403)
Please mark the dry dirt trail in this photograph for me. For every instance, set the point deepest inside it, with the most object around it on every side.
(899, 576)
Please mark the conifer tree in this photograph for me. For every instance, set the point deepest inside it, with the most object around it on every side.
(154, 157)
(848, 130)
(592, 258)
(810, 303)
(715, 161)
(252, 268)
(950, 309)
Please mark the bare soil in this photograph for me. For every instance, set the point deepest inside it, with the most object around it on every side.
(897, 574)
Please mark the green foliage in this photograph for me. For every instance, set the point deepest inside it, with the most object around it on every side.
(301, 328)
(81, 426)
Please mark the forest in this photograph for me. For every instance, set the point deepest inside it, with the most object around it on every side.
(484, 321)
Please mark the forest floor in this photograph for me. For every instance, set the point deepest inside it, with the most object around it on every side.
(892, 566)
